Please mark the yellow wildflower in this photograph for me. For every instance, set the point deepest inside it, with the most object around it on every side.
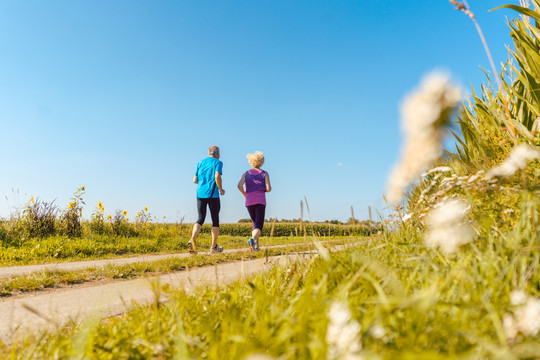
(109, 217)
(72, 204)
(127, 219)
(124, 212)
(31, 200)
(83, 188)
(138, 213)
(146, 208)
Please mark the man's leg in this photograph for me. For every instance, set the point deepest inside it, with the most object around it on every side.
(215, 234)
(215, 206)
(201, 209)
(195, 233)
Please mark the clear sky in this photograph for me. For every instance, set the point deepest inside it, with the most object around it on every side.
(126, 96)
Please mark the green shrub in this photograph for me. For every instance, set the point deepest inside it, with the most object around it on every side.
(38, 219)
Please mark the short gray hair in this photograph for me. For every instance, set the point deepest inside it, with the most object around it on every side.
(213, 150)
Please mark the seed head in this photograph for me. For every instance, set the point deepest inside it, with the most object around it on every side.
(425, 115)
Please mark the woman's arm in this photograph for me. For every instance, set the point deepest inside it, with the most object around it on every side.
(241, 184)
(196, 179)
(267, 183)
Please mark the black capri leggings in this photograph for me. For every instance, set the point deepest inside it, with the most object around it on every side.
(256, 213)
(214, 204)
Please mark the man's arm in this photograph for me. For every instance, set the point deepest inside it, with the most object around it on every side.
(196, 179)
(218, 183)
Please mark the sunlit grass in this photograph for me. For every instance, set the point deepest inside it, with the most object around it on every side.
(46, 279)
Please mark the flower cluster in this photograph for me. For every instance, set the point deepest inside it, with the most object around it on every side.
(343, 333)
(516, 160)
(525, 318)
(425, 114)
(448, 228)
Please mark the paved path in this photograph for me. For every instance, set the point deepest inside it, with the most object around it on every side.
(33, 311)
(79, 265)
(19, 314)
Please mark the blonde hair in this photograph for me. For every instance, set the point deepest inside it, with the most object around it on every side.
(256, 160)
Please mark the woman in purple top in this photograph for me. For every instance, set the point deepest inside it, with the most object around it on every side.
(257, 184)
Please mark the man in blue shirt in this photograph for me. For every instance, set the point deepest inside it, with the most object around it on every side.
(208, 180)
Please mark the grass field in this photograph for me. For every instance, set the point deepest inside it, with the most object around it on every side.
(453, 274)
(158, 238)
(47, 279)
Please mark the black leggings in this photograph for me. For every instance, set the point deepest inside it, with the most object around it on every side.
(214, 205)
(256, 213)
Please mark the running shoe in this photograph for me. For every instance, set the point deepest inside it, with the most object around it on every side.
(192, 249)
(251, 244)
(216, 249)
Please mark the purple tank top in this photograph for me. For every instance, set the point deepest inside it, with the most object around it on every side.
(255, 187)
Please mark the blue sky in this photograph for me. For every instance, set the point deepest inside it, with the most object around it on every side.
(125, 97)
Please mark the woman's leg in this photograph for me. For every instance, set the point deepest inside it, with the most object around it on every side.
(258, 222)
(252, 210)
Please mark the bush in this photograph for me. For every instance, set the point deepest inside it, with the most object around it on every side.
(119, 224)
(38, 219)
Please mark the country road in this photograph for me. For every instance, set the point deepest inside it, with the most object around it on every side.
(80, 265)
(19, 314)
(33, 311)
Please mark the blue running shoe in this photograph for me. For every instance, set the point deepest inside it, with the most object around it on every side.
(251, 244)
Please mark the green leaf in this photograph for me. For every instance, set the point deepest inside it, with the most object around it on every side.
(521, 9)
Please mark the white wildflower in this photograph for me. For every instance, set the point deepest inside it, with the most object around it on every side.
(518, 297)
(448, 229)
(377, 331)
(516, 160)
(528, 317)
(510, 327)
(424, 114)
(525, 318)
(343, 333)
(437, 169)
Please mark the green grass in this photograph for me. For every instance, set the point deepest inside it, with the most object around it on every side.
(155, 238)
(48, 279)
(411, 301)
(60, 249)
(430, 307)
